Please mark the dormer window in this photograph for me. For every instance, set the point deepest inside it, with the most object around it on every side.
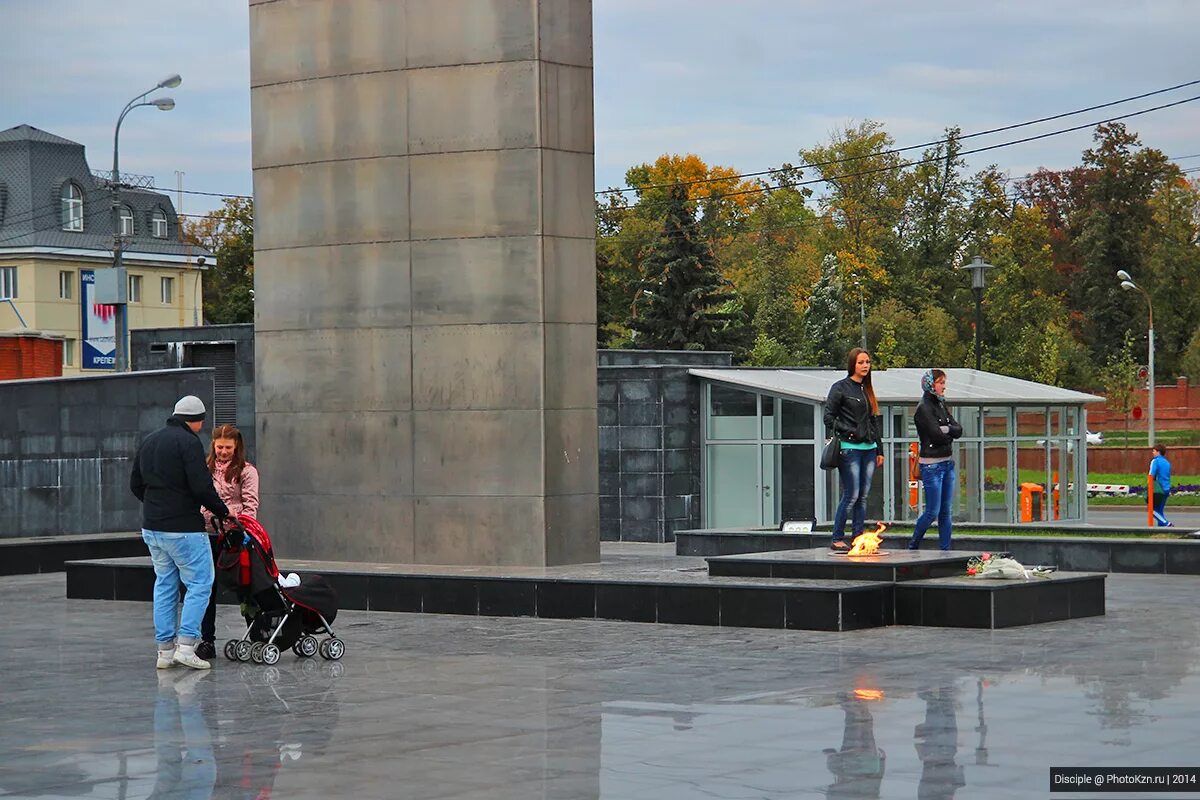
(158, 222)
(72, 207)
(125, 215)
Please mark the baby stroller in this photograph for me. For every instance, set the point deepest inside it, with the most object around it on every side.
(278, 616)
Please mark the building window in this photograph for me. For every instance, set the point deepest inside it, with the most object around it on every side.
(159, 222)
(168, 290)
(72, 207)
(135, 288)
(68, 352)
(125, 214)
(8, 283)
(66, 282)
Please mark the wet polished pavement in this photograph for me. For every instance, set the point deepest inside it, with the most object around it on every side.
(429, 706)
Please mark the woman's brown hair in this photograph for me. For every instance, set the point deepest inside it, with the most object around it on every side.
(851, 361)
(233, 472)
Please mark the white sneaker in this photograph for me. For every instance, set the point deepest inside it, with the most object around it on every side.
(185, 655)
(166, 659)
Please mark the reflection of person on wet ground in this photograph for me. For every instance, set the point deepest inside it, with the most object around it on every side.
(182, 739)
(936, 741)
(858, 766)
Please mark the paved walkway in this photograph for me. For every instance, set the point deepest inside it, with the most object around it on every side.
(464, 707)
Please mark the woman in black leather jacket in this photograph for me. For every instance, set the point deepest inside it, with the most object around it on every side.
(852, 415)
(937, 430)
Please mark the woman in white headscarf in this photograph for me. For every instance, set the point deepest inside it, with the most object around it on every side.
(937, 430)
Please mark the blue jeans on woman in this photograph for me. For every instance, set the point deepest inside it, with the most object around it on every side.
(940, 480)
(179, 558)
(856, 468)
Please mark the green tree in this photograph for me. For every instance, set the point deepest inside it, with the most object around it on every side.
(821, 343)
(1118, 376)
(1114, 233)
(228, 234)
(682, 300)
(1190, 363)
(768, 352)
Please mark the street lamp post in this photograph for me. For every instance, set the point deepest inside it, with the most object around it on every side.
(862, 310)
(121, 320)
(1128, 285)
(977, 266)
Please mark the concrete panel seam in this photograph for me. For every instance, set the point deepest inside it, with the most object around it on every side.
(410, 155)
(423, 239)
(268, 84)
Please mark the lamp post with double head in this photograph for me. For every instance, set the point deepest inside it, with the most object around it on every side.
(977, 266)
(122, 316)
(1128, 285)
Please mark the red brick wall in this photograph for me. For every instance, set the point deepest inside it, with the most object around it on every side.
(1177, 407)
(29, 357)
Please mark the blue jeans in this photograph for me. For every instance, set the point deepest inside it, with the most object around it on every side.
(1160, 507)
(940, 481)
(186, 558)
(856, 468)
(187, 766)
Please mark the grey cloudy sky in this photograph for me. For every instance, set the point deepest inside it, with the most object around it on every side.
(745, 83)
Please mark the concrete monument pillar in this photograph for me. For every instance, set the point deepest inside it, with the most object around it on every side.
(424, 276)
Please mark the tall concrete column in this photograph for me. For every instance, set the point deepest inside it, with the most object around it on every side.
(424, 279)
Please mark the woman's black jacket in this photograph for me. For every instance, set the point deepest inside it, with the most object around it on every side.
(931, 414)
(848, 414)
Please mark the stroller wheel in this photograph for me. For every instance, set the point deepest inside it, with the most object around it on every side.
(269, 654)
(231, 650)
(333, 649)
(306, 647)
(256, 652)
(242, 650)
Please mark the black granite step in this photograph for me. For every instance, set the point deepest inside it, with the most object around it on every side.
(820, 563)
(626, 590)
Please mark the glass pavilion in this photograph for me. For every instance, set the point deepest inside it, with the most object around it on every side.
(1022, 456)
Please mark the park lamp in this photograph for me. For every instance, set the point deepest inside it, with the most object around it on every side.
(1128, 285)
(169, 82)
(163, 103)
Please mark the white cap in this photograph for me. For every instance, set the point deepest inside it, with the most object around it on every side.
(190, 408)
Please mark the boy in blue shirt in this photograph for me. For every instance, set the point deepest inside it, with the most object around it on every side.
(1160, 473)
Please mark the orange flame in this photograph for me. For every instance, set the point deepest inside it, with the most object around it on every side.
(868, 694)
(867, 543)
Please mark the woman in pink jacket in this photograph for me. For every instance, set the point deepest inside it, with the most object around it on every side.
(236, 481)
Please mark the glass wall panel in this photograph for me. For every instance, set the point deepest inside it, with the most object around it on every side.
(1056, 488)
(1031, 421)
(995, 422)
(970, 482)
(797, 420)
(909, 500)
(733, 496)
(1058, 421)
(732, 413)
(903, 426)
(968, 417)
(770, 416)
(996, 495)
(791, 481)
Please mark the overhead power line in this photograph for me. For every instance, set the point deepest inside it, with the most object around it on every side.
(893, 151)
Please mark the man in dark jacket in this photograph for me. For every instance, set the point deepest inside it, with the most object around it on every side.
(937, 429)
(172, 481)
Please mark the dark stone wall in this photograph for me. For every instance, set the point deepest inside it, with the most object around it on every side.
(66, 446)
(164, 348)
(649, 416)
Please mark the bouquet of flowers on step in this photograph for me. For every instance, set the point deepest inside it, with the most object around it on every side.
(1002, 566)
